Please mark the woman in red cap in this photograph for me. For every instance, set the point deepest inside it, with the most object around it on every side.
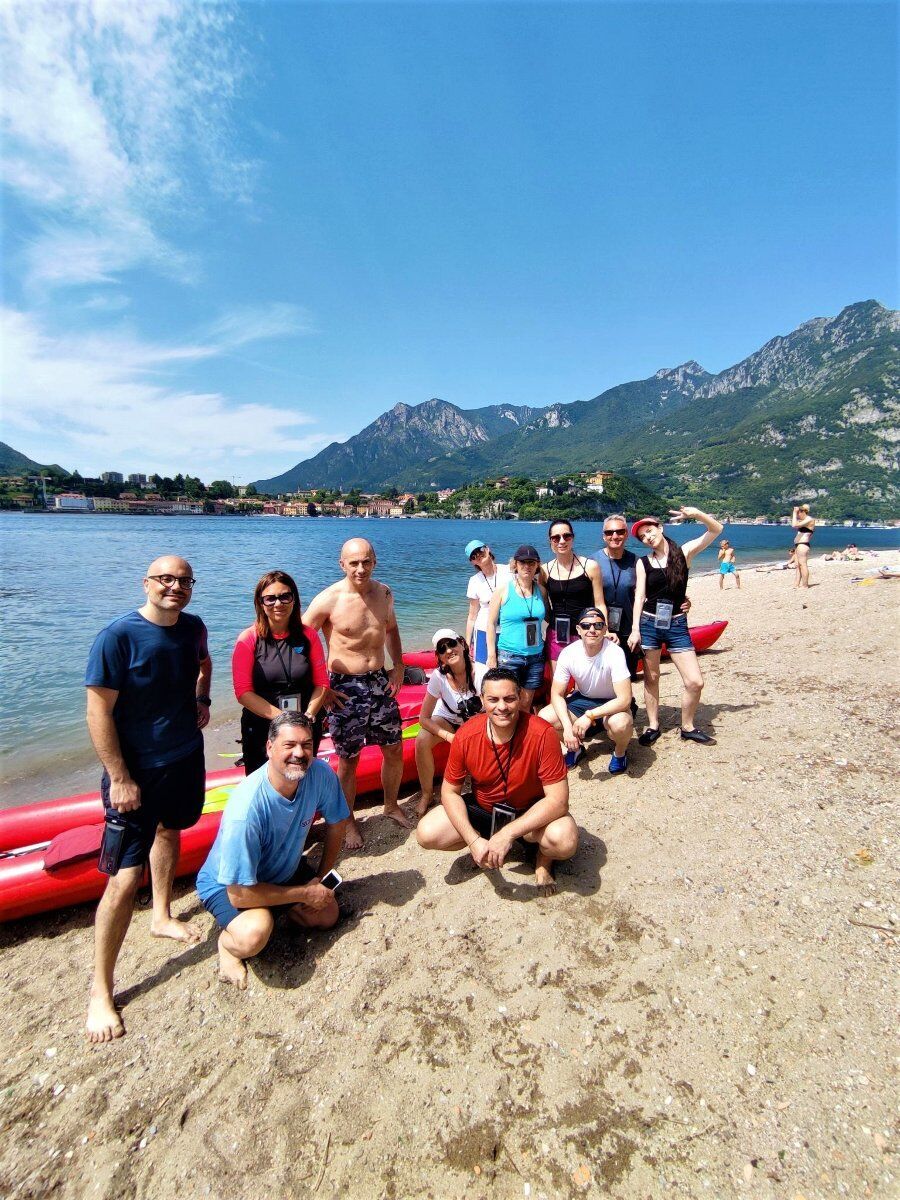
(660, 590)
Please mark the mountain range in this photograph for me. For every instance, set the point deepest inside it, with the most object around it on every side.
(813, 414)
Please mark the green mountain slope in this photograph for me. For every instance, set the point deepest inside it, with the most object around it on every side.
(12, 462)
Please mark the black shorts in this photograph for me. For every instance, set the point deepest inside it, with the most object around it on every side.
(481, 819)
(171, 796)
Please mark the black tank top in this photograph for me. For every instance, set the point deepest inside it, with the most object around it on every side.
(569, 597)
(658, 589)
(281, 667)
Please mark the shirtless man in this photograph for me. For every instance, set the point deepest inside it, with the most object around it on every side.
(357, 617)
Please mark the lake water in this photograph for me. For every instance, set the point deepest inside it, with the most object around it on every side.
(65, 576)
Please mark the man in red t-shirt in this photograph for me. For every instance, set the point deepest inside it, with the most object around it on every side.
(516, 765)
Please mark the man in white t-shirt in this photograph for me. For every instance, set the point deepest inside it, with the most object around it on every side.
(602, 692)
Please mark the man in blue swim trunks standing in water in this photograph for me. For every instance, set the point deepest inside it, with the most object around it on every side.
(357, 617)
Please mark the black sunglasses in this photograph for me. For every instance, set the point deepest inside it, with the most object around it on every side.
(615, 533)
(592, 625)
(281, 598)
(445, 644)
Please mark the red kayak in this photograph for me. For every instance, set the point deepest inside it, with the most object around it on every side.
(50, 850)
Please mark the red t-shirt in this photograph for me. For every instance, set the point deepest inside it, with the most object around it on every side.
(536, 761)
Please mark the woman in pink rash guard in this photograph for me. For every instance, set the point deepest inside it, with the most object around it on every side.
(277, 664)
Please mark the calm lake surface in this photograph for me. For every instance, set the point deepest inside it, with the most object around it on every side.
(65, 576)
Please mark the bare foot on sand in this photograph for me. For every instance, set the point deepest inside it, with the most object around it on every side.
(424, 803)
(232, 969)
(103, 1021)
(397, 814)
(352, 836)
(179, 931)
(543, 876)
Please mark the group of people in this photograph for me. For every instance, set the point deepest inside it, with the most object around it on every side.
(148, 682)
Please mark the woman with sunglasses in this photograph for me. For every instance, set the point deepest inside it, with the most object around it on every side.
(482, 585)
(277, 665)
(657, 618)
(452, 697)
(573, 584)
(519, 608)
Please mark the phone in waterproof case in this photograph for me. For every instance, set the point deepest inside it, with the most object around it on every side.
(561, 628)
(532, 633)
(113, 845)
(332, 880)
(501, 814)
(664, 612)
(615, 618)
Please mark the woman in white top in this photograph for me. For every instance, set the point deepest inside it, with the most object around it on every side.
(452, 697)
(484, 582)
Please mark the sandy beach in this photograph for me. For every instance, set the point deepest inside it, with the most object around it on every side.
(705, 1008)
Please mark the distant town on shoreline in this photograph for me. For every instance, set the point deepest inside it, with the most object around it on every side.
(580, 496)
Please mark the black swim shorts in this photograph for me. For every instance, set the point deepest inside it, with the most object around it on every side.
(370, 716)
(171, 796)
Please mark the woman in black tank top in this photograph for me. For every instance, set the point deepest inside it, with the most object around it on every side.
(659, 598)
(573, 584)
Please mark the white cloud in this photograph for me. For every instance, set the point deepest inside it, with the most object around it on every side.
(116, 122)
(100, 400)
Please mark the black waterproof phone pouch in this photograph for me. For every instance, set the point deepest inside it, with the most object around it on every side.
(531, 633)
(501, 814)
(562, 629)
(113, 845)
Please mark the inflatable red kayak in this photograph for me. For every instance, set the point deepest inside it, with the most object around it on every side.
(50, 852)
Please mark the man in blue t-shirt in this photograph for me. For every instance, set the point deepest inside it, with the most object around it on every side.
(147, 679)
(256, 862)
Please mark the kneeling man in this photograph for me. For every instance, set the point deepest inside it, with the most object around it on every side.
(602, 691)
(256, 862)
(519, 783)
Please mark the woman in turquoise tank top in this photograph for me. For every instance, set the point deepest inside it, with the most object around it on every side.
(519, 609)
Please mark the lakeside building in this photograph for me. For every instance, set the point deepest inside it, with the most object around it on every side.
(72, 502)
(595, 482)
(138, 480)
(112, 477)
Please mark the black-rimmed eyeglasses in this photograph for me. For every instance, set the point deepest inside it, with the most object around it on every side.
(168, 581)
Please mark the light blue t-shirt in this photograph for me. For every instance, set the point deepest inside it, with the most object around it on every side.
(262, 835)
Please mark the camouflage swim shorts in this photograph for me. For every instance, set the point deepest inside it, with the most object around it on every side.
(370, 716)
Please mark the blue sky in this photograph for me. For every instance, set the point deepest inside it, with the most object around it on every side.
(234, 234)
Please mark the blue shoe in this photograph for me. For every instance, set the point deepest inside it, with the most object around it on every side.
(617, 766)
(573, 757)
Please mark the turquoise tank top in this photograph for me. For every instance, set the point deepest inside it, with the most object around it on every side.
(514, 612)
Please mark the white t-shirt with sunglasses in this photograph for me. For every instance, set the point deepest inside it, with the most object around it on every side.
(594, 676)
(448, 697)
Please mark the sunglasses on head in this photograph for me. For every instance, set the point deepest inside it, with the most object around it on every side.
(445, 644)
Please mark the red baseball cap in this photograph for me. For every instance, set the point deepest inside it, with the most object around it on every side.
(643, 521)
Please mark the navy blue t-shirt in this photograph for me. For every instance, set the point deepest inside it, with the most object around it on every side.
(154, 669)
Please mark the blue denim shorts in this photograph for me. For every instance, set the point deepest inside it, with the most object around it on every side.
(528, 668)
(677, 639)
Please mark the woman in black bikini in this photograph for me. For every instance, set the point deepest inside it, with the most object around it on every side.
(805, 527)
(660, 589)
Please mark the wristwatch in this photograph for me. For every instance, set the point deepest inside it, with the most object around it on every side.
(204, 700)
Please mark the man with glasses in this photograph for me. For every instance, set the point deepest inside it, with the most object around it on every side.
(147, 679)
(618, 569)
(602, 692)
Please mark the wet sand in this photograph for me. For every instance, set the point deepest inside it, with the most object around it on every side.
(707, 1007)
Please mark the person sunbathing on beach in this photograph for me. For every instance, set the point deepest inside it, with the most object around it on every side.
(256, 864)
(357, 617)
(519, 787)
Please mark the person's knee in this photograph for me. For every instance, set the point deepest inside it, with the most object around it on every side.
(694, 685)
(122, 887)
(250, 933)
(560, 838)
(620, 723)
(393, 753)
(433, 830)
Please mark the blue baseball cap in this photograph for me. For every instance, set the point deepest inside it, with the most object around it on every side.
(475, 544)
